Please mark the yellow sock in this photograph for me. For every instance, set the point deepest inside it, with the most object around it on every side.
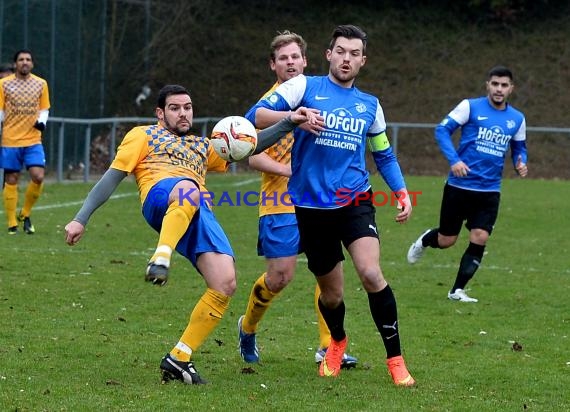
(324, 332)
(33, 192)
(174, 224)
(10, 194)
(204, 318)
(259, 301)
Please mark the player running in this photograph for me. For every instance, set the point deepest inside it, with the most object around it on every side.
(489, 127)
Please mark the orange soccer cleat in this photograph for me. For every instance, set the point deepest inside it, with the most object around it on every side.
(332, 362)
(399, 372)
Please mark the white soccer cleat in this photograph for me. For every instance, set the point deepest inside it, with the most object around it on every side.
(461, 296)
(417, 250)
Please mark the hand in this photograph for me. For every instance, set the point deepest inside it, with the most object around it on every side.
(404, 206)
(460, 169)
(73, 232)
(40, 126)
(520, 167)
(310, 119)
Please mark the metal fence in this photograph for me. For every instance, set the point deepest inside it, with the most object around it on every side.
(71, 153)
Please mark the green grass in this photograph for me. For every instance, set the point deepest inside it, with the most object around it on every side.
(81, 331)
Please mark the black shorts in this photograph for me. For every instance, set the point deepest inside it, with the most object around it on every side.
(323, 232)
(479, 210)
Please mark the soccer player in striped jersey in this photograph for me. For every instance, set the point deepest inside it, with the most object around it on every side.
(170, 168)
(24, 110)
(278, 238)
(489, 127)
(330, 189)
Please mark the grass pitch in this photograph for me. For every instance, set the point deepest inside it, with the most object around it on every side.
(81, 331)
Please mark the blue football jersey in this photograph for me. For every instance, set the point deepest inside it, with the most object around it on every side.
(486, 136)
(334, 161)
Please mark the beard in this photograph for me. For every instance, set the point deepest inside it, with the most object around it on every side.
(175, 128)
(343, 77)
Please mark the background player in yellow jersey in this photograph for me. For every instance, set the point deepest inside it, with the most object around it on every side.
(170, 168)
(24, 110)
(278, 238)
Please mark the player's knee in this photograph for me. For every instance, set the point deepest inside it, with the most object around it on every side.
(223, 281)
(277, 280)
(227, 286)
(11, 178)
(331, 297)
(478, 236)
(372, 280)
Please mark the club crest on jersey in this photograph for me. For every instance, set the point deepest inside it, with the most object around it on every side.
(360, 107)
(511, 124)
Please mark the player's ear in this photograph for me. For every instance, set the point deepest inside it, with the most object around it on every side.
(159, 113)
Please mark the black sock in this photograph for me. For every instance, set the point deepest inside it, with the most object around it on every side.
(334, 319)
(385, 315)
(470, 262)
(430, 239)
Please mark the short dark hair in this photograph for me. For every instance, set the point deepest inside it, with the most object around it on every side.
(169, 90)
(349, 31)
(23, 51)
(500, 71)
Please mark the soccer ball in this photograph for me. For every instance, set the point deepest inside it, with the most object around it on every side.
(234, 138)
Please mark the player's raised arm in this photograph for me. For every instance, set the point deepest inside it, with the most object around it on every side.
(267, 137)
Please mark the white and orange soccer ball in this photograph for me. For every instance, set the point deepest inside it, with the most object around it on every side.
(234, 138)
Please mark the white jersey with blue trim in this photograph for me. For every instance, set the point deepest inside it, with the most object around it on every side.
(486, 135)
(334, 161)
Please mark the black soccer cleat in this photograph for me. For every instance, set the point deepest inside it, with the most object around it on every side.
(173, 370)
(156, 274)
(28, 226)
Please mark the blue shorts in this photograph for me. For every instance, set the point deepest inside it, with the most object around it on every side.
(204, 233)
(278, 236)
(15, 158)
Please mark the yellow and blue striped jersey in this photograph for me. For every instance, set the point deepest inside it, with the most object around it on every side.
(152, 153)
(21, 100)
(274, 187)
